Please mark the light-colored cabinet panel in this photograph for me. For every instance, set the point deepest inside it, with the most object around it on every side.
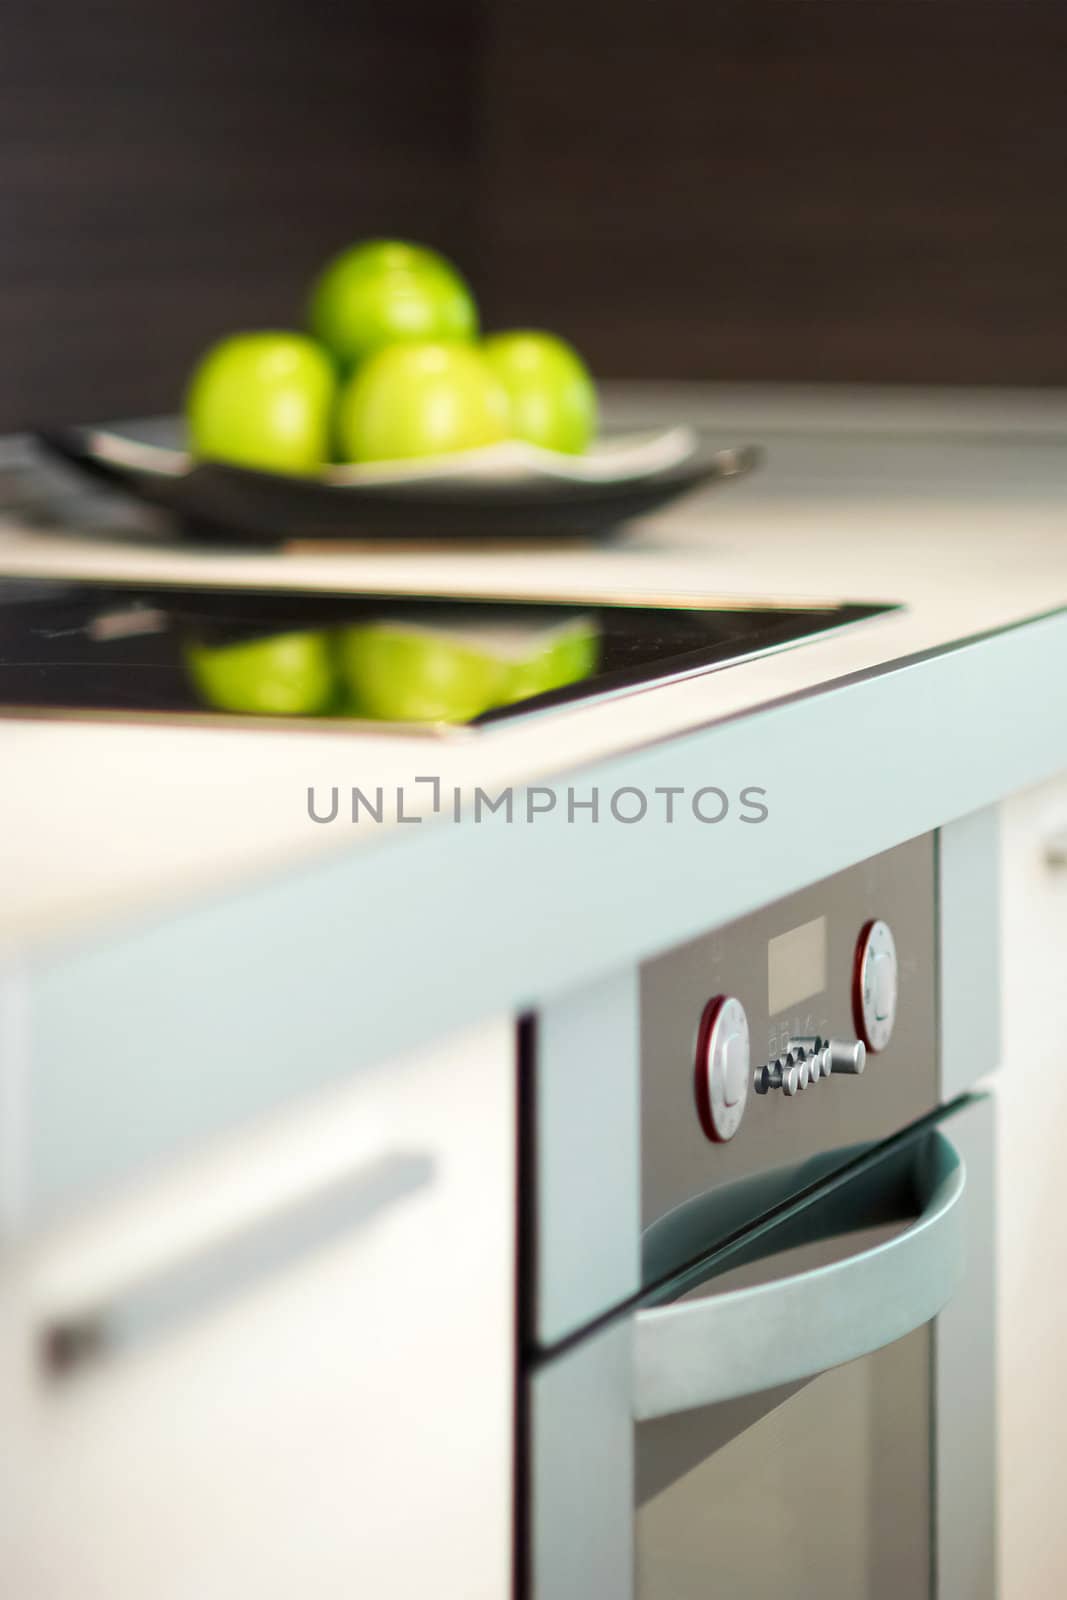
(1032, 1235)
(289, 1363)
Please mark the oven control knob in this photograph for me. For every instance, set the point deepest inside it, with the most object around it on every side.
(826, 1056)
(874, 985)
(722, 1067)
(844, 1055)
(812, 1052)
(782, 1074)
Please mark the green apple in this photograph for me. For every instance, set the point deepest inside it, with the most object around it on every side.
(403, 670)
(283, 675)
(551, 395)
(263, 400)
(420, 400)
(388, 292)
(561, 655)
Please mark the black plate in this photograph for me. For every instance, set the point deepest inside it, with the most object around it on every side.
(216, 501)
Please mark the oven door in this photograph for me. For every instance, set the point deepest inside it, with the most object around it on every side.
(806, 1413)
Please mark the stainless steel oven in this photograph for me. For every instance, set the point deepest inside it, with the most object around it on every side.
(758, 1254)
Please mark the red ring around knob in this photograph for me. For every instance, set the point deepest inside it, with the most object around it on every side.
(708, 1019)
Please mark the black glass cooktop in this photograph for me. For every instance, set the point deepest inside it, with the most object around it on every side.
(413, 662)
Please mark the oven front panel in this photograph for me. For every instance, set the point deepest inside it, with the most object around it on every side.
(792, 968)
(818, 1473)
(825, 1495)
(829, 1431)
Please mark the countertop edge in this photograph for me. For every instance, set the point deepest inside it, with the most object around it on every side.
(294, 982)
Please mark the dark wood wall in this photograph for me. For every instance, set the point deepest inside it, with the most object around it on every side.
(838, 189)
(168, 172)
(811, 189)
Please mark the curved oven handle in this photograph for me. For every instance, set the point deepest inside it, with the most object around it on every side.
(743, 1341)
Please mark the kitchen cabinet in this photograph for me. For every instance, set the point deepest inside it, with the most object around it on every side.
(1033, 1244)
(286, 1365)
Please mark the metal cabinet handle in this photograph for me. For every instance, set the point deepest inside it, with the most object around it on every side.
(168, 1296)
(744, 1341)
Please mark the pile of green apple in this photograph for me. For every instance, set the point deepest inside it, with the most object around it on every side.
(395, 668)
(392, 368)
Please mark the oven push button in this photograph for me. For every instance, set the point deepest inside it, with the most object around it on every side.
(791, 1073)
(829, 1056)
(722, 1067)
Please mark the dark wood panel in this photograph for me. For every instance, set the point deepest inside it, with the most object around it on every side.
(755, 189)
(168, 173)
(783, 188)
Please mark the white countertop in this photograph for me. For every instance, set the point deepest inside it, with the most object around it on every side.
(955, 505)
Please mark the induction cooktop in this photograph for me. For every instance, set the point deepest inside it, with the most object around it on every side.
(438, 664)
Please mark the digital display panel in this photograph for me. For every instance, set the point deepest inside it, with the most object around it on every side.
(796, 965)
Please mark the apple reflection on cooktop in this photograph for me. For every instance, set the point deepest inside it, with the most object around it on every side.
(417, 662)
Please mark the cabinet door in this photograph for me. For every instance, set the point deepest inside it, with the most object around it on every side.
(285, 1369)
(1032, 1239)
